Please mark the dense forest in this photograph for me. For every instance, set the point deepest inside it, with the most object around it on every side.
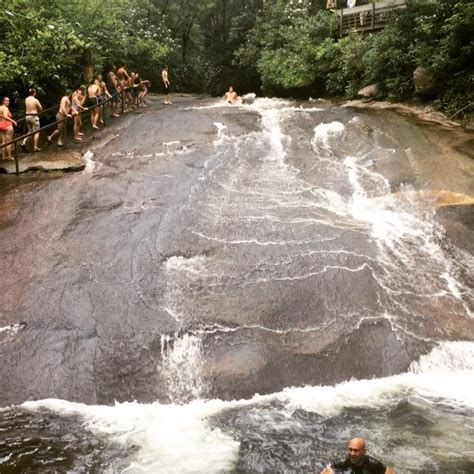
(271, 47)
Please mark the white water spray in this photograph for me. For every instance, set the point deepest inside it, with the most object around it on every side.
(181, 367)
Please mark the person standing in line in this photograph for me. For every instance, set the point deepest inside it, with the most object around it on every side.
(166, 85)
(133, 89)
(32, 109)
(124, 79)
(63, 113)
(6, 128)
(93, 92)
(77, 106)
(357, 461)
(113, 88)
(102, 97)
(143, 89)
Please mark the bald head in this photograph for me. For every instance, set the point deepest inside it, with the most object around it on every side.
(356, 451)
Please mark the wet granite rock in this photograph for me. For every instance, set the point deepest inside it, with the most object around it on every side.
(62, 161)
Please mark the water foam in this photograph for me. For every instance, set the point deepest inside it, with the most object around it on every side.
(325, 133)
(171, 438)
(181, 366)
(91, 165)
(178, 438)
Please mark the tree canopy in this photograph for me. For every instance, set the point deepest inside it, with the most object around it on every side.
(284, 47)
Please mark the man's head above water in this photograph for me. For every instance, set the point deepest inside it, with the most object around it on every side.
(357, 459)
(356, 451)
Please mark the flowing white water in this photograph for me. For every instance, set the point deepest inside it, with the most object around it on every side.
(179, 438)
(91, 165)
(181, 365)
(259, 198)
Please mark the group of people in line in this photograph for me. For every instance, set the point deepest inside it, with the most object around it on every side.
(130, 89)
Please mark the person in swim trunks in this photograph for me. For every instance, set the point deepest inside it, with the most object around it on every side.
(32, 109)
(63, 113)
(93, 92)
(357, 461)
(133, 88)
(124, 79)
(166, 85)
(77, 106)
(113, 88)
(142, 88)
(102, 97)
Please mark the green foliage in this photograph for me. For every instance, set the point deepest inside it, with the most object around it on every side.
(281, 45)
(55, 45)
(291, 49)
(341, 63)
(431, 33)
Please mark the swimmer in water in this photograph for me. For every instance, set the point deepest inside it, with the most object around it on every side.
(357, 461)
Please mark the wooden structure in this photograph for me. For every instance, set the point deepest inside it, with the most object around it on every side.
(367, 17)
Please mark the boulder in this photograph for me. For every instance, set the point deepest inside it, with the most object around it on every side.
(66, 160)
(369, 91)
(425, 82)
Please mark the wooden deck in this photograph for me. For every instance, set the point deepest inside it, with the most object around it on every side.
(367, 17)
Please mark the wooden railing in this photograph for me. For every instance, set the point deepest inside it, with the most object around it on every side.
(367, 17)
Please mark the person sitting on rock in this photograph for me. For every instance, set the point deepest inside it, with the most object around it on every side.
(231, 96)
(357, 461)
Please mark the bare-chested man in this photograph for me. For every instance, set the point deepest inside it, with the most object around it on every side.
(358, 460)
(166, 85)
(103, 96)
(93, 93)
(124, 79)
(113, 88)
(64, 112)
(32, 110)
(231, 96)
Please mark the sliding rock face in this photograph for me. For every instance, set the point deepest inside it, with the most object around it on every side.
(215, 251)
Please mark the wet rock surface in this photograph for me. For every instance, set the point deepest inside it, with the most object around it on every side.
(67, 160)
(424, 114)
(189, 218)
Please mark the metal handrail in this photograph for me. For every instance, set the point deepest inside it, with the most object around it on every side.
(39, 113)
(29, 134)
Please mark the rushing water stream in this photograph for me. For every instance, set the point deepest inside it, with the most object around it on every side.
(277, 283)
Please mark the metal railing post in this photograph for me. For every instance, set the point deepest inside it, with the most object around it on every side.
(373, 16)
(17, 166)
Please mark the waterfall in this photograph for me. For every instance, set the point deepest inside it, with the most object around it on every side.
(181, 367)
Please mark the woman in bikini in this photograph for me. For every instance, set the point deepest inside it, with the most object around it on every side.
(6, 128)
